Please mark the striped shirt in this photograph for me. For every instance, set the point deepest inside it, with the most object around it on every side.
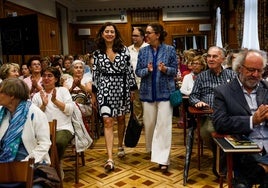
(205, 83)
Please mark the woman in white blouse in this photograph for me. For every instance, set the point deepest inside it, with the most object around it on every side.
(198, 65)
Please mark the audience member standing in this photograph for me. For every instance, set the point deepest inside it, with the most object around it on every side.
(138, 35)
(115, 81)
(157, 66)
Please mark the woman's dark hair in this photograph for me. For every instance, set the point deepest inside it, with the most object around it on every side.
(55, 71)
(142, 32)
(33, 58)
(159, 29)
(100, 42)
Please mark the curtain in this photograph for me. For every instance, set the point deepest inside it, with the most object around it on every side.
(218, 28)
(250, 30)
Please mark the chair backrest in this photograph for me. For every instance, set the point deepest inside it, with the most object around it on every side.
(18, 171)
(53, 148)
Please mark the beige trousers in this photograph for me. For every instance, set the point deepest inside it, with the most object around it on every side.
(157, 119)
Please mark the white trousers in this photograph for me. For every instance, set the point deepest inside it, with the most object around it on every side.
(157, 119)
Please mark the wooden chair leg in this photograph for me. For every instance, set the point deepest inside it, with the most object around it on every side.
(76, 173)
(82, 155)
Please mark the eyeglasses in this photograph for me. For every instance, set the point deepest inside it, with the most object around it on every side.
(253, 70)
(135, 35)
(47, 76)
(148, 33)
(36, 64)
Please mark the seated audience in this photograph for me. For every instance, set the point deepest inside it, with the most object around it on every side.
(9, 70)
(56, 102)
(24, 129)
(240, 107)
(34, 81)
(25, 72)
(202, 93)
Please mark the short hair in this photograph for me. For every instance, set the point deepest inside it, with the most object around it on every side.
(4, 69)
(222, 50)
(241, 56)
(142, 32)
(56, 73)
(33, 58)
(15, 87)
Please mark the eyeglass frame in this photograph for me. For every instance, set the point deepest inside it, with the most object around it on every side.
(253, 70)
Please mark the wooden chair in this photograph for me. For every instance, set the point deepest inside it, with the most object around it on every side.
(19, 171)
(72, 155)
(55, 162)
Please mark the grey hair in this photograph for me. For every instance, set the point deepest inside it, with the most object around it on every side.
(241, 56)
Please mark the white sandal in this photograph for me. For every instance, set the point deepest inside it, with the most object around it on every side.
(109, 165)
(121, 153)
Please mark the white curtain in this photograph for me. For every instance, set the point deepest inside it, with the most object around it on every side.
(194, 43)
(250, 32)
(218, 28)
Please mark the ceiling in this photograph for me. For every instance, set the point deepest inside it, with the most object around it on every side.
(114, 5)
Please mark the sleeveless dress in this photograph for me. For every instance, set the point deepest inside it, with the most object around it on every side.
(113, 81)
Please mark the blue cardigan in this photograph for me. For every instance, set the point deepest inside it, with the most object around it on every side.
(156, 85)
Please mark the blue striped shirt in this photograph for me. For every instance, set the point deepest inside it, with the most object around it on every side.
(205, 83)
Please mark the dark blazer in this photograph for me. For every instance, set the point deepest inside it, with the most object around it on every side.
(231, 112)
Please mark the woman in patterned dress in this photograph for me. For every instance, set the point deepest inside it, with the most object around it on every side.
(115, 83)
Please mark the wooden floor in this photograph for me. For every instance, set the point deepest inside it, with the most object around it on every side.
(136, 170)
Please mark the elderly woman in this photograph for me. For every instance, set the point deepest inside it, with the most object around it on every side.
(56, 102)
(9, 70)
(80, 87)
(198, 65)
(24, 129)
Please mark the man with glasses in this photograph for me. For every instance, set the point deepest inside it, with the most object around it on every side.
(202, 93)
(241, 107)
(138, 42)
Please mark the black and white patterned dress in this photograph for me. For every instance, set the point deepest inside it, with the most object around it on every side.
(113, 81)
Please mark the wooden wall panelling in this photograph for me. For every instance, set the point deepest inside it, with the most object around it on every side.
(76, 43)
(49, 45)
(48, 36)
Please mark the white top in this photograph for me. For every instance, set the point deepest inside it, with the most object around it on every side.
(53, 112)
(187, 84)
(134, 59)
(35, 134)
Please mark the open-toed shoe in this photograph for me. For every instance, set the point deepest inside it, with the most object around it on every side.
(121, 152)
(109, 165)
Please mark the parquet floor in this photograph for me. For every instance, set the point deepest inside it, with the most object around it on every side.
(136, 170)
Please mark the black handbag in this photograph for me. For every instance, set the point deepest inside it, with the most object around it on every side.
(133, 131)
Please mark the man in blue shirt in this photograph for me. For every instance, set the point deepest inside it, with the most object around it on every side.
(202, 93)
